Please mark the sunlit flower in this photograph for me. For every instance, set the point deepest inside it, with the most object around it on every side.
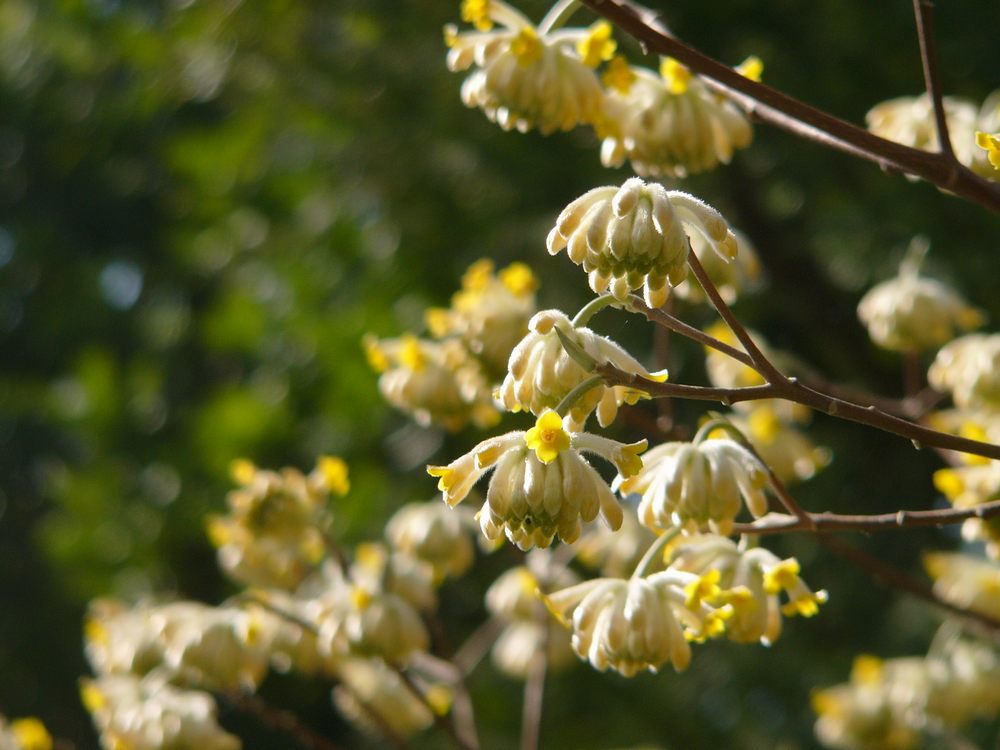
(524, 77)
(150, 714)
(273, 534)
(636, 236)
(436, 382)
(732, 277)
(669, 124)
(541, 372)
(435, 534)
(911, 313)
(967, 487)
(490, 313)
(371, 693)
(965, 581)
(28, 733)
(698, 487)
(542, 485)
(910, 121)
(750, 581)
(632, 625)
(376, 568)
(969, 368)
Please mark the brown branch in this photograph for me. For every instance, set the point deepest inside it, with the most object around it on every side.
(534, 686)
(778, 523)
(442, 722)
(923, 12)
(894, 578)
(280, 719)
(776, 108)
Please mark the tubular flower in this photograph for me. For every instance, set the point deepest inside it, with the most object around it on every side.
(786, 450)
(541, 372)
(370, 687)
(193, 644)
(436, 382)
(28, 733)
(748, 580)
(969, 368)
(542, 486)
(911, 313)
(635, 624)
(910, 121)
(490, 313)
(150, 714)
(965, 581)
(523, 78)
(697, 487)
(637, 236)
(513, 598)
(274, 531)
(668, 124)
(434, 534)
(732, 277)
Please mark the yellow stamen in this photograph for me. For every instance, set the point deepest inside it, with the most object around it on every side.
(991, 144)
(598, 46)
(477, 12)
(411, 355)
(867, 670)
(376, 356)
(438, 320)
(675, 74)
(478, 276)
(333, 469)
(619, 75)
(548, 438)
(519, 279)
(782, 576)
(360, 598)
(527, 47)
(242, 471)
(706, 588)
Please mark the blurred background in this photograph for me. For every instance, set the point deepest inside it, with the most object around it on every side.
(204, 205)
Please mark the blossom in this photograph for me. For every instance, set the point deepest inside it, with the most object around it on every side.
(490, 313)
(435, 534)
(636, 236)
(288, 644)
(632, 625)
(965, 581)
(969, 486)
(150, 714)
(697, 486)
(911, 313)
(524, 77)
(542, 485)
(273, 535)
(541, 372)
(991, 145)
(969, 368)
(668, 124)
(28, 733)
(750, 581)
(986, 158)
(436, 382)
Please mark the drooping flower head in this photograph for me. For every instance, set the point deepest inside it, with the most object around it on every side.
(490, 313)
(698, 486)
(637, 235)
(541, 372)
(525, 76)
(542, 486)
(668, 124)
(911, 313)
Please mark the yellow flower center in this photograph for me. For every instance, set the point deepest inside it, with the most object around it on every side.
(548, 438)
(619, 75)
(477, 12)
(598, 46)
(527, 47)
(784, 575)
(706, 588)
(675, 74)
(360, 598)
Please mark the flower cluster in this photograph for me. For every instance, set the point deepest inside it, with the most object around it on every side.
(273, 535)
(969, 369)
(28, 733)
(527, 628)
(435, 534)
(969, 486)
(965, 581)
(912, 313)
(542, 486)
(669, 124)
(637, 235)
(542, 372)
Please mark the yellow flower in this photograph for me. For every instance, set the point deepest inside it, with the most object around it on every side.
(619, 75)
(781, 576)
(598, 46)
(676, 75)
(990, 144)
(751, 68)
(526, 47)
(547, 438)
(333, 470)
(30, 734)
(477, 12)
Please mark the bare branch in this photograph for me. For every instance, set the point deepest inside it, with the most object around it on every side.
(923, 12)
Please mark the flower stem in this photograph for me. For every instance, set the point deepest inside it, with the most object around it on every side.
(558, 15)
(654, 549)
(570, 399)
(591, 309)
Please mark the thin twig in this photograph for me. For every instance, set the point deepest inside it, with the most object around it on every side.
(534, 686)
(280, 719)
(894, 578)
(776, 108)
(476, 646)
(923, 12)
(779, 523)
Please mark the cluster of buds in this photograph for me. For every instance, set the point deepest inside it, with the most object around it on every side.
(892, 703)
(528, 631)
(274, 534)
(28, 733)
(913, 313)
(542, 372)
(910, 121)
(436, 534)
(149, 713)
(448, 381)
